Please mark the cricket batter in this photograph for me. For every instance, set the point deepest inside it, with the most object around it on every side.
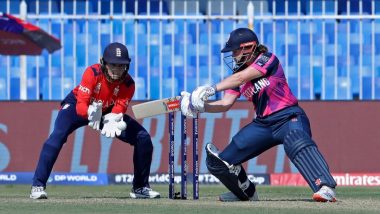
(259, 76)
(100, 101)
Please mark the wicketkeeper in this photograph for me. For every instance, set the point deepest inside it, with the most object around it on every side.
(259, 76)
(100, 101)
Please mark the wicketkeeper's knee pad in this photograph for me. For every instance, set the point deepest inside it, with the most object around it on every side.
(233, 177)
(304, 154)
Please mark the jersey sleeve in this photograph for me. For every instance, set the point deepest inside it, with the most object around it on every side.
(124, 98)
(85, 90)
(235, 91)
(265, 62)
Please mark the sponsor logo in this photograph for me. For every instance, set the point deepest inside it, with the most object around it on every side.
(78, 178)
(75, 178)
(84, 89)
(208, 179)
(8, 177)
(123, 178)
(260, 179)
(172, 105)
(357, 179)
(347, 179)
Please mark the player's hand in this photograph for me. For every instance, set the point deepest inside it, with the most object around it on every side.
(113, 125)
(200, 95)
(185, 105)
(94, 112)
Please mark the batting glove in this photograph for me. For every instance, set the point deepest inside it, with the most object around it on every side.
(200, 95)
(185, 105)
(113, 125)
(94, 112)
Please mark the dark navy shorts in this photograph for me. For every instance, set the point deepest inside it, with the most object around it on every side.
(264, 133)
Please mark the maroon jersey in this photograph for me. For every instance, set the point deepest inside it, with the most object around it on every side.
(95, 87)
(270, 92)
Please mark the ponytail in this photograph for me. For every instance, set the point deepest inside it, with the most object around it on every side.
(261, 49)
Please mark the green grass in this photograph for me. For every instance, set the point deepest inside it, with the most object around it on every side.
(115, 199)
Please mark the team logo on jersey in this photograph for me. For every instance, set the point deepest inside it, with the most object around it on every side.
(262, 60)
(84, 89)
(118, 52)
(116, 91)
(97, 88)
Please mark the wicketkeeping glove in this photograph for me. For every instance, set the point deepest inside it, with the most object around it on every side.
(200, 95)
(94, 112)
(185, 105)
(113, 125)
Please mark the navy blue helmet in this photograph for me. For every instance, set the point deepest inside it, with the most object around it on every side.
(239, 38)
(116, 53)
(244, 39)
(115, 62)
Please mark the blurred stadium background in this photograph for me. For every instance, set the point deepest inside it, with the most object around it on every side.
(330, 51)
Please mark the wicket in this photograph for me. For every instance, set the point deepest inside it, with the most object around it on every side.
(183, 193)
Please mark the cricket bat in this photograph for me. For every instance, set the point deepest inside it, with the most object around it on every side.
(156, 107)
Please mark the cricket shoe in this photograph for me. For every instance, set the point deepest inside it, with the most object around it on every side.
(38, 192)
(325, 194)
(229, 197)
(144, 192)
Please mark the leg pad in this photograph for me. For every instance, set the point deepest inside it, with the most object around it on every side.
(304, 154)
(233, 177)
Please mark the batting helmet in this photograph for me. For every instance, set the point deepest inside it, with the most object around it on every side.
(116, 56)
(244, 39)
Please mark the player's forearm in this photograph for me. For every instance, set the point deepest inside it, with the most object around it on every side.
(238, 79)
(230, 82)
(217, 106)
